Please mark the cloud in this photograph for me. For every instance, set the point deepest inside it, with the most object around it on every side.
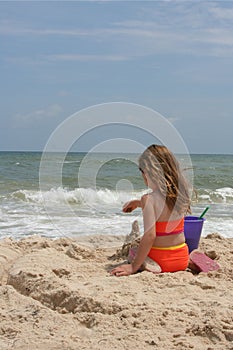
(222, 37)
(222, 13)
(85, 58)
(17, 28)
(165, 28)
(66, 57)
(36, 117)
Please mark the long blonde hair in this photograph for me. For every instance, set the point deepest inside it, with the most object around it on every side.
(164, 170)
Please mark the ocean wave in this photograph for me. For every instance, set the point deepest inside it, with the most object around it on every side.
(78, 196)
(219, 195)
(105, 196)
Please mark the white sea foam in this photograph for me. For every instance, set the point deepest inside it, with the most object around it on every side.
(90, 196)
(77, 196)
(74, 211)
(67, 212)
(87, 211)
(221, 225)
(226, 192)
(35, 220)
(219, 195)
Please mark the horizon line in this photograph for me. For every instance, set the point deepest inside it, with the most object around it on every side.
(114, 152)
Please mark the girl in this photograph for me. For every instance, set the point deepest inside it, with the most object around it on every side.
(163, 213)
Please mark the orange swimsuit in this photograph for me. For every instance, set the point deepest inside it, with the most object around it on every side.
(174, 258)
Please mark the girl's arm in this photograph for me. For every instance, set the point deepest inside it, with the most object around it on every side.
(149, 232)
(131, 205)
(145, 243)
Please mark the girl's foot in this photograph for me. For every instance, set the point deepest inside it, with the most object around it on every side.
(148, 265)
(151, 266)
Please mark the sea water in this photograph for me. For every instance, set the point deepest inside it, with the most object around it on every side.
(91, 191)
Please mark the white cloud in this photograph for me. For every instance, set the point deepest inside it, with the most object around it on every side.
(18, 29)
(222, 13)
(85, 58)
(36, 117)
(167, 27)
(218, 36)
(67, 57)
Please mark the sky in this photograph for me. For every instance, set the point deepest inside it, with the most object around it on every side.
(175, 57)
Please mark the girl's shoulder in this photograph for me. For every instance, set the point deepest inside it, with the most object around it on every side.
(146, 198)
(161, 210)
(155, 196)
(151, 198)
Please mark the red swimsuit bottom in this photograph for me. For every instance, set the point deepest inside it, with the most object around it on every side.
(174, 258)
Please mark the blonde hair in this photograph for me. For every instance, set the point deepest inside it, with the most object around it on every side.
(164, 170)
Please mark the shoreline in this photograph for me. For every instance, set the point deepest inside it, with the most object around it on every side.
(58, 294)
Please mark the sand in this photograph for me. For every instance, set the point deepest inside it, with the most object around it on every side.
(58, 294)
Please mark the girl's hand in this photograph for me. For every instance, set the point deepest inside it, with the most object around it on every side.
(131, 205)
(123, 270)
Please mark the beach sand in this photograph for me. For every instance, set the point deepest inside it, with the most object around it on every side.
(58, 294)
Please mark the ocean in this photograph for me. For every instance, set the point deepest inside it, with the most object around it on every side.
(87, 197)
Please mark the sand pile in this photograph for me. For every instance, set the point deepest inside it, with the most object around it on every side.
(58, 294)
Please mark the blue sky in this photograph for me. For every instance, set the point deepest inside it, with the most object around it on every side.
(172, 56)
